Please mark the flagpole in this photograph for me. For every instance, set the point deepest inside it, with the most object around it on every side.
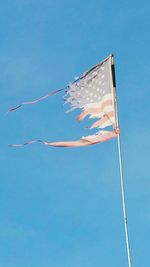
(124, 202)
(121, 167)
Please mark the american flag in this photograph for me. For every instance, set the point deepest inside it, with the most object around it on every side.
(92, 93)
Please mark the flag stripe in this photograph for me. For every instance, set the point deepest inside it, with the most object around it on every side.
(84, 141)
(95, 110)
(105, 120)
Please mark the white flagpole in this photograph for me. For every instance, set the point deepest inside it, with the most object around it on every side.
(121, 167)
(124, 202)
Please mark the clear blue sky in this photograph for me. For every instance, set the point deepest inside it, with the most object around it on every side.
(62, 207)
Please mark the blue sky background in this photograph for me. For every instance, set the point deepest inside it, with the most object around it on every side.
(62, 207)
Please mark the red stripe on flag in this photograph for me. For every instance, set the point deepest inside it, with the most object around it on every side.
(92, 111)
(106, 118)
(85, 141)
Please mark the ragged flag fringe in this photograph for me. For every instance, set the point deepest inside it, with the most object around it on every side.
(37, 100)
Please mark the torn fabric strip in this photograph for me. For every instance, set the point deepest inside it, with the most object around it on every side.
(102, 136)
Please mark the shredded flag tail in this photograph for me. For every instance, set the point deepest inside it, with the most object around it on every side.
(37, 100)
(84, 141)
